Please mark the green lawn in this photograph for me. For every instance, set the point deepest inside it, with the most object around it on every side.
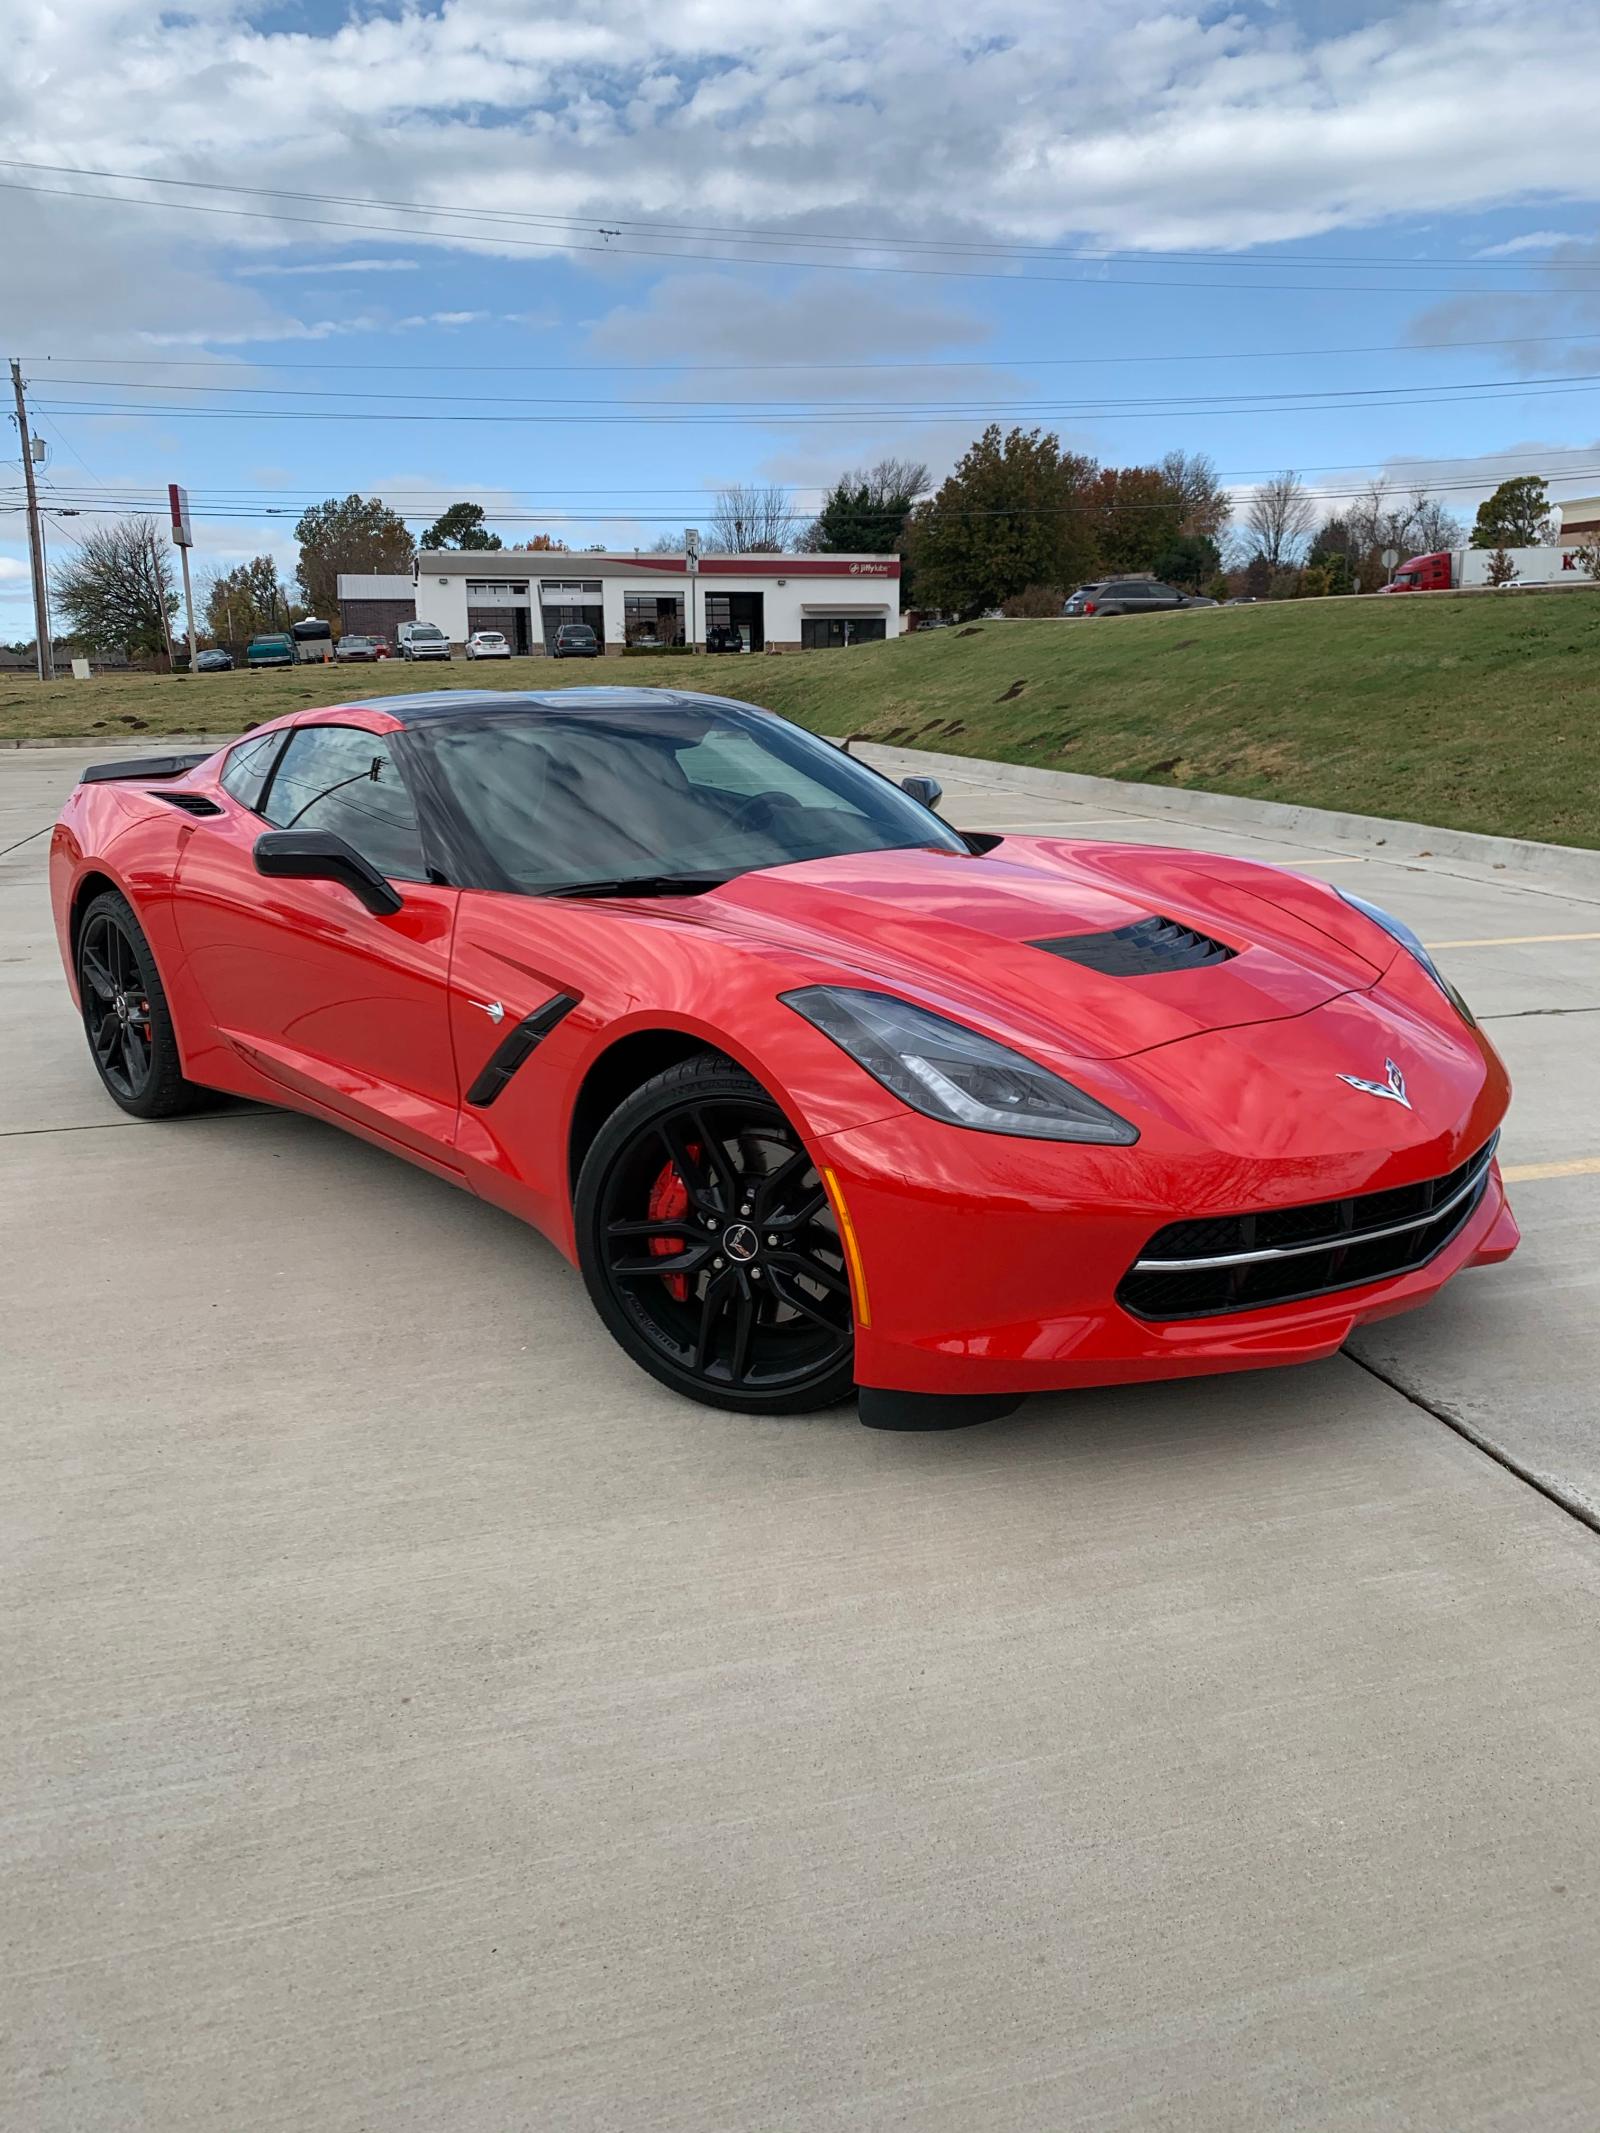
(1478, 713)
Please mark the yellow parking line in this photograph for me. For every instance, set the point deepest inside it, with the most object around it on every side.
(1516, 940)
(1582, 1166)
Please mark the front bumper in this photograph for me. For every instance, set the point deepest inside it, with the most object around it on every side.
(999, 1276)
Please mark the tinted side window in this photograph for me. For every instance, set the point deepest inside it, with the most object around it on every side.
(245, 772)
(338, 778)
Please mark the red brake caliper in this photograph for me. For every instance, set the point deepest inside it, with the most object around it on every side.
(669, 1202)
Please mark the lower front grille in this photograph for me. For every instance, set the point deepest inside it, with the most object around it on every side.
(1218, 1264)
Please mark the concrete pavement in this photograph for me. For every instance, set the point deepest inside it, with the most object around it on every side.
(418, 1719)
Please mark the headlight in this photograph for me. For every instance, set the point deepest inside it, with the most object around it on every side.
(1398, 930)
(949, 1072)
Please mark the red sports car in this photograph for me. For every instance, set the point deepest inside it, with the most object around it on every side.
(819, 1093)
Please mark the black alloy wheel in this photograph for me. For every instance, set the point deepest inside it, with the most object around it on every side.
(125, 1014)
(710, 1249)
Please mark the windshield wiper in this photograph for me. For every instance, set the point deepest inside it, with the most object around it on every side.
(642, 885)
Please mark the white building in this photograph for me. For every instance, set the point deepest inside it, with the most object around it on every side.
(729, 603)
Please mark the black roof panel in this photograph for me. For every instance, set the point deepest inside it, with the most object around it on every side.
(429, 704)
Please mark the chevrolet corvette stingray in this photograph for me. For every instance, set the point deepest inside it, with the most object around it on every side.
(820, 1094)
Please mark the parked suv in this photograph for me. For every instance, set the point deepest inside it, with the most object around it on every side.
(1131, 596)
(423, 640)
(575, 640)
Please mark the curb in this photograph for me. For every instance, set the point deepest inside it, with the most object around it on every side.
(1570, 868)
(145, 743)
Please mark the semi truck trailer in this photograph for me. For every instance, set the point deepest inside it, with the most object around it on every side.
(1451, 569)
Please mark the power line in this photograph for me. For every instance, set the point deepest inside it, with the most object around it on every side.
(1083, 412)
(893, 363)
(854, 240)
(605, 249)
(1393, 395)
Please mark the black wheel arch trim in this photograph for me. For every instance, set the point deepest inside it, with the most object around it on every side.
(517, 1047)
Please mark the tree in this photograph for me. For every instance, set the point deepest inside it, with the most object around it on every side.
(1220, 588)
(359, 534)
(1588, 558)
(1258, 577)
(1502, 571)
(864, 513)
(116, 589)
(1135, 515)
(539, 544)
(1516, 516)
(752, 518)
(245, 602)
(460, 527)
(1034, 601)
(1279, 517)
(1206, 504)
(1013, 514)
(1192, 559)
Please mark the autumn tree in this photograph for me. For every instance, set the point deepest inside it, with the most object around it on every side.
(461, 526)
(358, 534)
(1135, 514)
(1516, 516)
(1012, 515)
(245, 602)
(115, 590)
(1502, 570)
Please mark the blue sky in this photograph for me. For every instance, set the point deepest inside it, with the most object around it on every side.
(813, 208)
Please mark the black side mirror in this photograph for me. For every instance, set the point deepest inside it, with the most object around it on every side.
(928, 790)
(318, 855)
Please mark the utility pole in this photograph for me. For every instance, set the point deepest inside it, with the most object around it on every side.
(41, 599)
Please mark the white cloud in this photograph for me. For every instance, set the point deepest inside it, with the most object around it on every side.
(335, 266)
(12, 570)
(1533, 241)
(1135, 122)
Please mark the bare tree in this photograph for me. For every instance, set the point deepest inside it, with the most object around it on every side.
(1280, 516)
(116, 591)
(1193, 478)
(751, 518)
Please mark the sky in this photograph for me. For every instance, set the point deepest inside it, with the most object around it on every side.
(587, 264)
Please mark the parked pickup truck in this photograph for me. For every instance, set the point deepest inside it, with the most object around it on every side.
(276, 650)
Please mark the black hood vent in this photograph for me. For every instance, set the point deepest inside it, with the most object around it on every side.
(1143, 950)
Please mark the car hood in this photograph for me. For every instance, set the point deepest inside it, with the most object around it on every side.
(964, 935)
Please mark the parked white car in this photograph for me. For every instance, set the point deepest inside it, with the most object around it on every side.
(488, 644)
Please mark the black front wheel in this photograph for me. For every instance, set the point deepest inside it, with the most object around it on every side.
(125, 1014)
(709, 1247)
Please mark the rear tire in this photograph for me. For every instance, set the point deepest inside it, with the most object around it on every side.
(126, 1018)
(698, 1173)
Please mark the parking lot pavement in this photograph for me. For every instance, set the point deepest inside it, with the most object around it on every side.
(417, 1718)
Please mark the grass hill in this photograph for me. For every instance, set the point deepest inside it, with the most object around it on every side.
(1478, 712)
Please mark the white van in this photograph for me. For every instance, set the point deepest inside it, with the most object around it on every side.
(421, 640)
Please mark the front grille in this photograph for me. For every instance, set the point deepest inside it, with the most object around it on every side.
(1222, 1263)
(1142, 950)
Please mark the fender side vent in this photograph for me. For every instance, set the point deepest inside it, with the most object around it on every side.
(1143, 950)
(192, 803)
(519, 1046)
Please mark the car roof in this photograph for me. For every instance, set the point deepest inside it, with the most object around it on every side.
(429, 706)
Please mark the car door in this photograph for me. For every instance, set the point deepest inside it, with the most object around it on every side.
(342, 1005)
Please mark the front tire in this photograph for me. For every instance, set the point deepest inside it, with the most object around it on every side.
(125, 1015)
(709, 1248)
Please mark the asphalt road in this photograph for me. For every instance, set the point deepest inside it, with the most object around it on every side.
(415, 1718)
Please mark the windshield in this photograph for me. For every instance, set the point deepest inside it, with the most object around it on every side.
(424, 629)
(558, 799)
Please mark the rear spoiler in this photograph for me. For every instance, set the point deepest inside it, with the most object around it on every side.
(145, 767)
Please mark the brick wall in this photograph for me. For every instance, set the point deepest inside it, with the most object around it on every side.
(374, 618)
